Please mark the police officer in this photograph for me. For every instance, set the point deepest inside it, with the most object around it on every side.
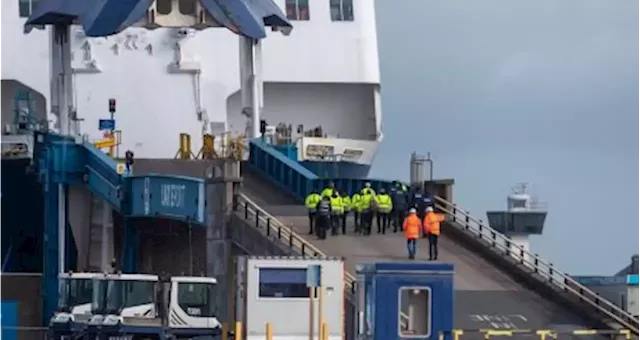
(367, 187)
(328, 191)
(383, 209)
(337, 211)
(323, 217)
(400, 201)
(311, 202)
(347, 207)
(399, 186)
(420, 202)
(366, 217)
(356, 207)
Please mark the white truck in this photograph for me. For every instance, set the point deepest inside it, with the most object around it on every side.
(116, 305)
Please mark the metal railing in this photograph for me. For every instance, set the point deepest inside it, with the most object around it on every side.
(541, 334)
(296, 243)
(539, 268)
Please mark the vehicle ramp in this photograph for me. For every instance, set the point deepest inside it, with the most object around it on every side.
(532, 293)
(477, 282)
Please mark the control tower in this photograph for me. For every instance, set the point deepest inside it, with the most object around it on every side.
(524, 217)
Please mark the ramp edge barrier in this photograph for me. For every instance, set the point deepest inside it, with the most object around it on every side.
(537, 266)
(278, 231)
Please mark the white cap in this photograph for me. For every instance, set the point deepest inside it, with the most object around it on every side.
(412, 211)
(429, 209)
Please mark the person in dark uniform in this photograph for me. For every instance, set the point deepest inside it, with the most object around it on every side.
(323, 217)
(421, 202)
(400, 207)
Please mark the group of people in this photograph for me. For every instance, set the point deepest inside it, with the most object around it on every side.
(396, 210)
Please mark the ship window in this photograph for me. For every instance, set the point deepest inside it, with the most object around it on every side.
(187, 7)
(341, 10)
(297, 9)
(283, 283)
(163, 6)
(414, 312)
(26, 7)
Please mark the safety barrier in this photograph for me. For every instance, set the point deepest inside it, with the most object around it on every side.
(538, 267)
(542, 334)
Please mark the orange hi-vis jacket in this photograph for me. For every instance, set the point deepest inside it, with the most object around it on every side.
(432, 223)
(411, 227)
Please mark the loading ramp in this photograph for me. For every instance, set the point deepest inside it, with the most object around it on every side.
(486, 297)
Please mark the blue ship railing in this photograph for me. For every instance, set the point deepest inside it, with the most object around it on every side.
(292, 177)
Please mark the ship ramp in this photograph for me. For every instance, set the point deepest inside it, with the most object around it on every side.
(493, 291)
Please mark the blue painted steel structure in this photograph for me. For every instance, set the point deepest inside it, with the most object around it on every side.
(293, 177)
(383, 283)
(105, 17)
(62, 161)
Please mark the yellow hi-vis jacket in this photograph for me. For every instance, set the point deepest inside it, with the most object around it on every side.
(356, 202)
(365, 202)
(336, 205)
(328, 192)
(384, 203)
(346, 203)
(311, 202)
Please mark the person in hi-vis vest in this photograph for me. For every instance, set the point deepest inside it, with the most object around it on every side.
(431, 224)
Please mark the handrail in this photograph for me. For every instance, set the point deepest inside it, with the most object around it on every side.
(534, 262)
(285, 234)
(273, 227)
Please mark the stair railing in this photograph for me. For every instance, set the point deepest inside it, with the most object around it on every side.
(539, 267)
(275, 229)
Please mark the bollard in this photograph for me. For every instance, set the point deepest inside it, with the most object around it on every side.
(269, 331)
(225, 331)
(238, 330)
(325, 331)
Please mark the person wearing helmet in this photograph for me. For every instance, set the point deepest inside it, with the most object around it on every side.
(432, 230)
(411, 227)
(311, 202)
(328, 191)
(367, 205)
(383, 209)
(367, 187)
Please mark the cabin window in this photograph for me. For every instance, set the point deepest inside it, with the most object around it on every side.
(283, 283)
(197, 299)
(414, 312)
(164, 7)
(26, 7)
(341, 10)
(187, 7)
(297, 9)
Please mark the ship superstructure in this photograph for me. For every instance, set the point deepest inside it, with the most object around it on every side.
(169, 81)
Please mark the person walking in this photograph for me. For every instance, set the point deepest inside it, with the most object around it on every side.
(311, 202)
(323, 217)
(432, 230)
(411, 227)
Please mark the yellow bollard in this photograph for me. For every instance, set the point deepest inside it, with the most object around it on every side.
(225, 331)
(269, 331)
(457, 333)
(238, 330)
(325, 331)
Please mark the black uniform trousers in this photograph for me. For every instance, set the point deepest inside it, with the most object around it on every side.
(323, 223)
(366, 219)
(382, 220)
(312, 217)
(433, 246)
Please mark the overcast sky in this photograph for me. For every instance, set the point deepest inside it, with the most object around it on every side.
(503, 91)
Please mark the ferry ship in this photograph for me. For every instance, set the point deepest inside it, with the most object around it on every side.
(321, 96)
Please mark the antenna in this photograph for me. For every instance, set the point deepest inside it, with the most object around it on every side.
(520, 188)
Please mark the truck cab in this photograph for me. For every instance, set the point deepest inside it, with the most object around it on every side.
(74, 303)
